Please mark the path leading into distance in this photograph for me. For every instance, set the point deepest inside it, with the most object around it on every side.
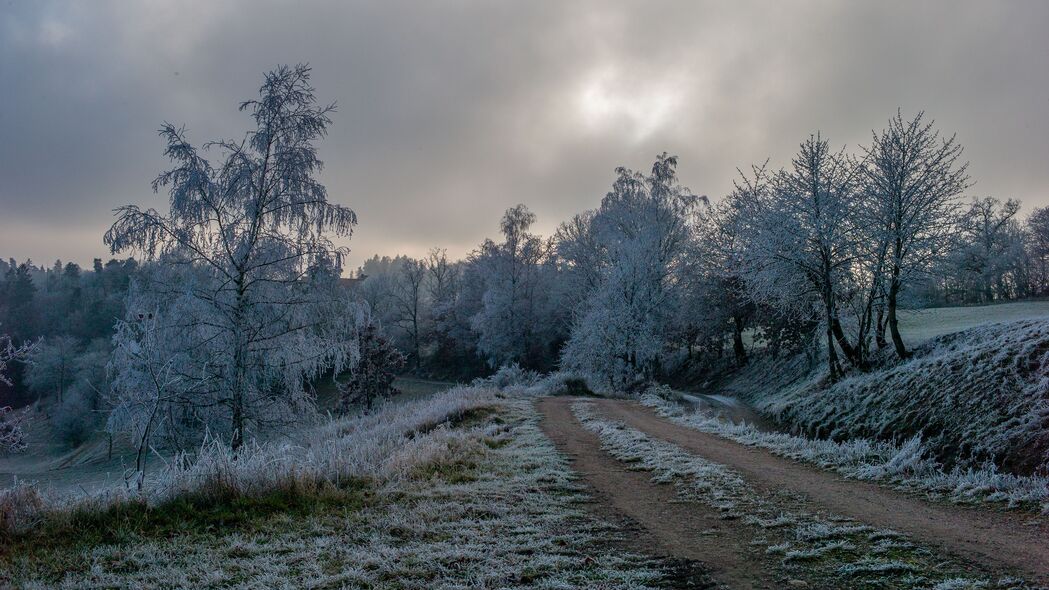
(1001, 541)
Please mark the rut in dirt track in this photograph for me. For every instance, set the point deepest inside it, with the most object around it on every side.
(665, 527)
(1014, 541)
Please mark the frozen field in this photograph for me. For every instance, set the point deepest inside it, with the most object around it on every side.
(920, 325)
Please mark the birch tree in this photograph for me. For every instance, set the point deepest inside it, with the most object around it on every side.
(507, 322)
(254, 229)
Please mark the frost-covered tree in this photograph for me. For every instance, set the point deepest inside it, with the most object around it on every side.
(581, 254)
(989, 244)
(52, 366)
(634, 243)
(442, 279)
(443, 284)
(801, 238)
(1038, 235)
(718, 299)
(243, 303)
(508, 321)
(913, 178)
(12, 423)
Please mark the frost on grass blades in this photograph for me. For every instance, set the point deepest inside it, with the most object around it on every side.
(488, 504)
(974, 396)
(822, 548)
(905, 465)
(382, 446)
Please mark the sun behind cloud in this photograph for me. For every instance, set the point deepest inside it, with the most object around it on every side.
(611, 100)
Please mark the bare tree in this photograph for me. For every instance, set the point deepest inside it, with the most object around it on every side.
(408, 293)
(1038, 232)
(988, 229)
(255, 229)
(801, 238)
(443, 275)
(914, 178)
(51, 366)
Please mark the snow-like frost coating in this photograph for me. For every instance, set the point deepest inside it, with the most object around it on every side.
(906, 465)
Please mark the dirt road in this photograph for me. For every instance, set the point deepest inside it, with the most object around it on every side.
(1017, 542)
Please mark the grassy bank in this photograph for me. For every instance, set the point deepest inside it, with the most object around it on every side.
(462, 490)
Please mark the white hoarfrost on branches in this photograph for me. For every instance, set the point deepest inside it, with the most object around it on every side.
(242, 306)
(12, 422)
(509, 322)
(627, 253)
(800, 232)
(913, 178)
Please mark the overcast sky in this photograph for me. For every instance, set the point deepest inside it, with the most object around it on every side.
(452, 111)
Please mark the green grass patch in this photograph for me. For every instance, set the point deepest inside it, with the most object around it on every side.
(55, 546)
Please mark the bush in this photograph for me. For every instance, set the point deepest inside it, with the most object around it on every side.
(372, 378)
(12, 431)
(76, 418)
(511, 375)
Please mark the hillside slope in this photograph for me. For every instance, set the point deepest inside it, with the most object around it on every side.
(973, 396)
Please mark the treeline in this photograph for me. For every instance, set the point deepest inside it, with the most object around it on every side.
(67, 315)
(657, 280)
(236, 309)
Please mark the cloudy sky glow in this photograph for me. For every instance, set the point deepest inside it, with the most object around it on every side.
(451, 111)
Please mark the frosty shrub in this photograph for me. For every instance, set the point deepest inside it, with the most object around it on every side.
(511, 375)
(12, 423)
(12, 431)
(76, 416)
(516, 381)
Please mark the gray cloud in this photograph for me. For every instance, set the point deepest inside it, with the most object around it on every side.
(451, 111)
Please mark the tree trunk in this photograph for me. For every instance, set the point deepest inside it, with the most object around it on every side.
(240, 361)
(737, 341)
(879, 332)
(415, 340)
(894, 327)
(832, 355)
(851, 352)
(237, 420)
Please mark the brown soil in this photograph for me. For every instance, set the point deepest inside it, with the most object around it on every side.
(1015, 542)
(656, 523)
